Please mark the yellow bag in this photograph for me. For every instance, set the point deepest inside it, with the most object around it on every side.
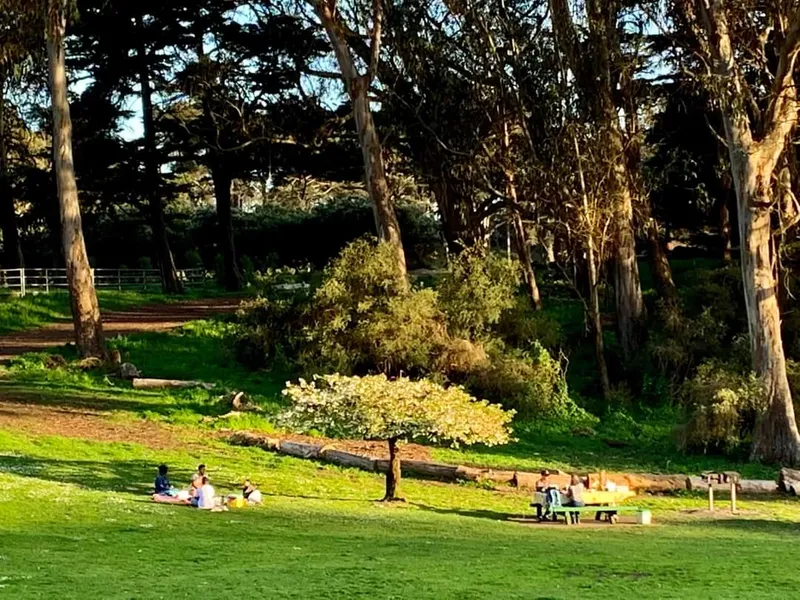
(237, 502)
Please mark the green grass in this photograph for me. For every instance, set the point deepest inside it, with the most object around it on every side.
(75, 521)
(35, 310)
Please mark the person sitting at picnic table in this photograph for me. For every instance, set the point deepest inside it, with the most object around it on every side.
(574, 493)
(197, 480)
(552, 498)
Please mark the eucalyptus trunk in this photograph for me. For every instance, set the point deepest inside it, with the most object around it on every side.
(88, 325)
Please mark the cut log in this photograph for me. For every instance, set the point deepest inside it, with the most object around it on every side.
(789, 481)
(347, 459)
(141, 383)
(651, 483)
(245, 438)
(757, 486)
(421, 468)
(528, 481)
(299, 449)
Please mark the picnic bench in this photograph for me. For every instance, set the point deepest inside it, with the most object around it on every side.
(603, 503)
(590, 498)
(607, 513)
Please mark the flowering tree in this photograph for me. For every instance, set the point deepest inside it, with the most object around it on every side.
(376, 408)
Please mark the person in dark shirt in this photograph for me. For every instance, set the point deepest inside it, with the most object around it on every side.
(162, 484)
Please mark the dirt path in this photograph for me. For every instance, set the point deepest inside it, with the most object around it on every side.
(88, 424)
(155, 317)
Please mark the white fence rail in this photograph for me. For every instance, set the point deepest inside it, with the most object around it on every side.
(27, 281)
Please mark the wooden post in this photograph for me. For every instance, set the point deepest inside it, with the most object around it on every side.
(144, 278)
(733, 495)
(119, 279)
(22, 282)
(47, 281)
(710, 495)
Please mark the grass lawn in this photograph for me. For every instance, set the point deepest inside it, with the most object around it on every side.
(76, 519)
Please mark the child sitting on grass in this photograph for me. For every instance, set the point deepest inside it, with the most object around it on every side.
(162, 485)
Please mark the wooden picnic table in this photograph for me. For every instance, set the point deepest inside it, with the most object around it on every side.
(597, 498)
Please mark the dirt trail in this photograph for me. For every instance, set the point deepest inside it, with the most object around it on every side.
(90, 424)
(155, 317)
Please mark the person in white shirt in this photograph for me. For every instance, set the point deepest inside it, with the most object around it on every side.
(205, 495)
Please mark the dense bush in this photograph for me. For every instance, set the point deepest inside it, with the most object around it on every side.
(521, 326)
(476, 290)
(364, 319)
(532, 383)
(722, 405)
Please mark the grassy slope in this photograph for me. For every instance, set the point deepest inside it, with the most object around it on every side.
(17, 314)
(198, 351)
(75, 519)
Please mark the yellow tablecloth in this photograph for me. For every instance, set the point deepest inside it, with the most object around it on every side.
(591, 497)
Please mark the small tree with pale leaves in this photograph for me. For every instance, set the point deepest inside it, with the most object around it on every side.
(376, 408)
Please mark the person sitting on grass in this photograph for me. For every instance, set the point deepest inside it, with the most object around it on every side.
(575, 497)
(204, 497)
(251, 493)
(197, 480)
(162, 485)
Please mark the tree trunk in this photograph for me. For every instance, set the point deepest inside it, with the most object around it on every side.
(222, 192)
(12, 248)
(725, 229)
(521, 244)
(662, 272)
(523, 250)
(594, 281)
(393, 473)
(776, 438)
(375, 175)
(89, 337)
(358, 90)
(591, 64)
(169, 274)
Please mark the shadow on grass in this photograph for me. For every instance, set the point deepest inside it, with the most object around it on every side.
(55, 395)
(491, 515)
(755, 525)
(107, 476)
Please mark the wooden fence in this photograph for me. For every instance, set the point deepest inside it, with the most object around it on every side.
(27, 281)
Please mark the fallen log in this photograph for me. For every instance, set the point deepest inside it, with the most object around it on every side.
(789, 481)
(141, 383)
(647, 482)
(421, 468)
(528, 481)
(347, 459)
(245, 438)
(757, 486)
(299, 449)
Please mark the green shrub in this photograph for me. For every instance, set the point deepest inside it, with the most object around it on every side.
(722, 406)
(476, 290)
(269, 330)
(532, 383)
(521, 326)
(365, 319)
